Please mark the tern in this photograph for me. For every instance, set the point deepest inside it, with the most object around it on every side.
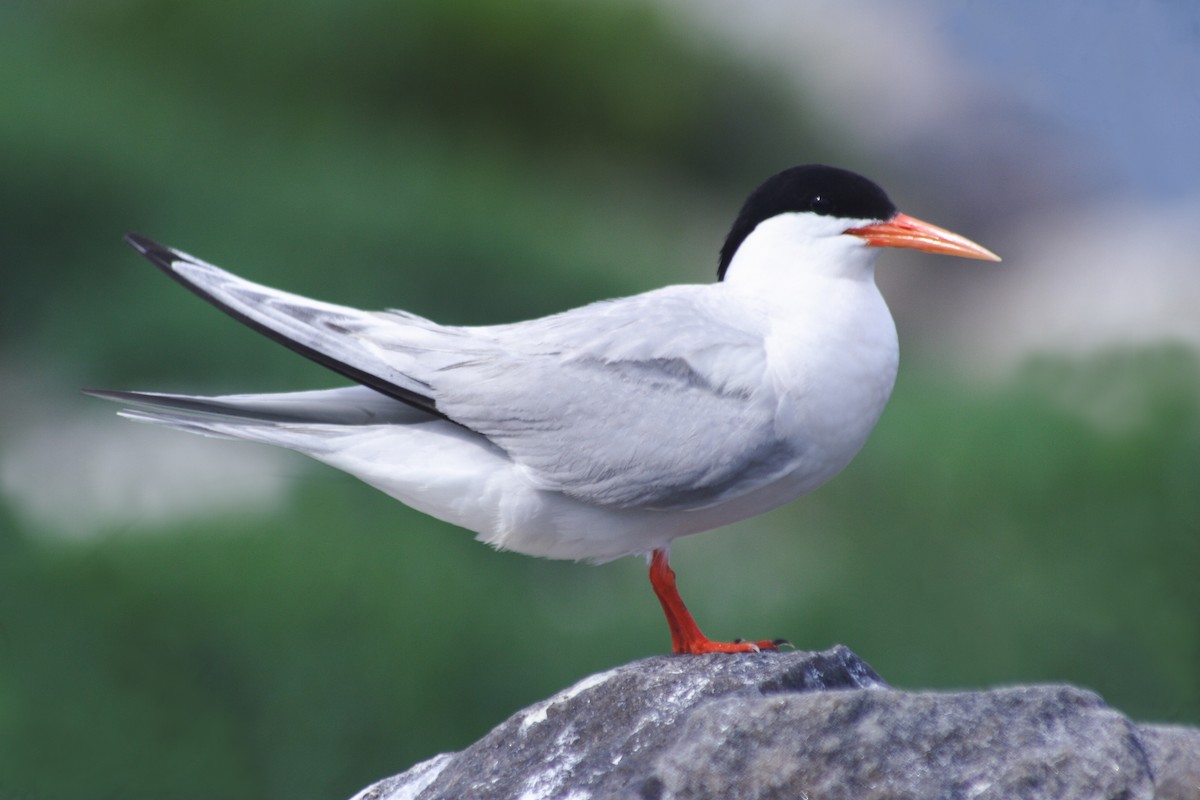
(613, 428)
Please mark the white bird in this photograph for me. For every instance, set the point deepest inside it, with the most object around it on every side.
(613, 428)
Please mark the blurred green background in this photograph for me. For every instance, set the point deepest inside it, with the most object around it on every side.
(479, 161)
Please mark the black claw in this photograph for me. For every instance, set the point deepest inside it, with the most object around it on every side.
(783, 643)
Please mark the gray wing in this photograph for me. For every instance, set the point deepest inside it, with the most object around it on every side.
(651, 401)
(337, 337)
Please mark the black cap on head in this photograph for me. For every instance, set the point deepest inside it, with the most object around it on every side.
(827, 191)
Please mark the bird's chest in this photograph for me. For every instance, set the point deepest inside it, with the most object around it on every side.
(833, 365)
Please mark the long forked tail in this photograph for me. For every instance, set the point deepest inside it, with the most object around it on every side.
(329, 334)
(351, 405)
(298, 420)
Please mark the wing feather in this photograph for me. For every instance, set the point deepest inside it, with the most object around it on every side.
(655, 401)
(332, 335)
(658, 401)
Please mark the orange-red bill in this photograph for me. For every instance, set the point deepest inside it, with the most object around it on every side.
(905, 231)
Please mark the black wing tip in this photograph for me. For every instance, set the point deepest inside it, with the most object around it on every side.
(158, 254)
(165, 259)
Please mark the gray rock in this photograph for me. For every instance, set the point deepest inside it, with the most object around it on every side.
(1174, 755)
(806, 725)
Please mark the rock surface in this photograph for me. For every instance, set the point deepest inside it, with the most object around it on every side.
(806, 725)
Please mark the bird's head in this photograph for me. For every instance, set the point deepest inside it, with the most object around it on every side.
(826, 220)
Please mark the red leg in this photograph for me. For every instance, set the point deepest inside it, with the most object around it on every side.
(686, 636)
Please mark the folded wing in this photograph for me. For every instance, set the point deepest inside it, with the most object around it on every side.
(652, 401)
(656, 401)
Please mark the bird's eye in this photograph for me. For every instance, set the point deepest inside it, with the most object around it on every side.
(821, 205)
